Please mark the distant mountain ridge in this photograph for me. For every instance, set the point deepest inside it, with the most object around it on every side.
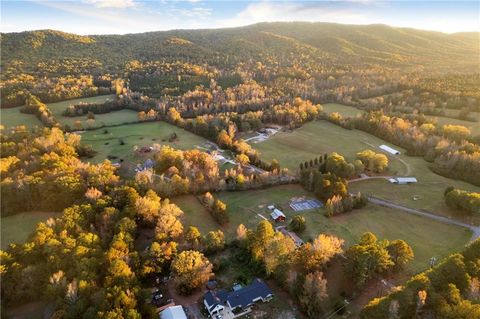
(380, 44)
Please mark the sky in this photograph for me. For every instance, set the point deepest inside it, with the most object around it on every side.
(134, 16)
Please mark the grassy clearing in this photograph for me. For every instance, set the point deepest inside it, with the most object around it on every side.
(473, 126)
(140, 134)
(430, 188)
(13, 117)
(428, 238)
(195, 214)
(290, 148)
(316, 138)
(344, 110)
(107, 119)
(17, 228)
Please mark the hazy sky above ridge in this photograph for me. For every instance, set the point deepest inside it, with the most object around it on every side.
(132, 16)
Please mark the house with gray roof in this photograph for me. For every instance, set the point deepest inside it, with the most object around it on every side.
(237, 302)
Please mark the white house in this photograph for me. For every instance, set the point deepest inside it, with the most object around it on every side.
(388, 149)
(174, 312)
(402, 180)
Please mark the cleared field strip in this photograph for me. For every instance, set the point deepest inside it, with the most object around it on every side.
(316, 138)
(107, 119)
(119, 141)
(16, 228)
(13, 117)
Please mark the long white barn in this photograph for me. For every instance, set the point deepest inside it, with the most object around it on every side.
(402, 180)
(388, 149)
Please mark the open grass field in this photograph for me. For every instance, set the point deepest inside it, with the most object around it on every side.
(290, 148)
(195, 214)
(473, 126)
(139, 134)
(316, 138)
(107, 119)
(429, 189)
(428, 238)
(344, 110)
(16, 228)
(13, 117)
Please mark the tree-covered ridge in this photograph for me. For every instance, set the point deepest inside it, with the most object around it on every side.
(372, 43)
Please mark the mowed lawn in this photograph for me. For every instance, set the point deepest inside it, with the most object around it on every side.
(107, 119)
(13, 117)
(344, 110)
(428, 238)
(316, 138)
(16, 228)
(107, 141)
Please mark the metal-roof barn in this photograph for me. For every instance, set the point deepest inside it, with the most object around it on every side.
(388, 149)
(278, 215)
(402, 180)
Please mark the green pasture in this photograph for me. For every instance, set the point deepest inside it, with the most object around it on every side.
(428, 238)
(316, 138)
(13, 117)
(195, 214)
(16, 228)
(473, 126)
(107, 141)
(107, 119)
(427, 194)
(290, 148)
(344, 110)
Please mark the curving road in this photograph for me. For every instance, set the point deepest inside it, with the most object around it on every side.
(364, 177)
(407, 166)
(382, 202)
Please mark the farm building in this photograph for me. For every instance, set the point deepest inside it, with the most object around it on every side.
(174, 312)
(389, 149)
(402, 180)
(278, 216)
(238, 301)
(297, 240)
(148, 164)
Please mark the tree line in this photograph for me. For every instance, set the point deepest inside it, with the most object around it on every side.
(448, 290)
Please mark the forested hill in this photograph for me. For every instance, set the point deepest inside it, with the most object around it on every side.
(325, 42)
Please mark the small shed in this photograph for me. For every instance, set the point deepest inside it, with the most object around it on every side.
(271, 207)
(278, 216)
(402, 180)
(388, 149)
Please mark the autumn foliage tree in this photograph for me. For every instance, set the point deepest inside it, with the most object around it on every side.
(191, 270)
